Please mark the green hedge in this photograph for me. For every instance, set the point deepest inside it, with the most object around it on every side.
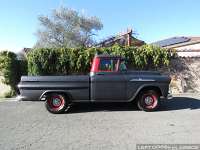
(11, 69)
(64, 61)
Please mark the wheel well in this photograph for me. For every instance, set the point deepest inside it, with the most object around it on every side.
(156, 89)
(58, 92)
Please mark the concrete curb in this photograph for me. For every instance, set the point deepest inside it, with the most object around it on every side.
(9, 99)
(187, 94)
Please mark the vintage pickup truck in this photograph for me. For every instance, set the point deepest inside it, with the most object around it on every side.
(108, 81)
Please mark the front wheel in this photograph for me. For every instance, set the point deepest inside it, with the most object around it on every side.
(56, 103)
(148, 101)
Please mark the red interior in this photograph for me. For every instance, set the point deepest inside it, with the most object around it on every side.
(96, 64)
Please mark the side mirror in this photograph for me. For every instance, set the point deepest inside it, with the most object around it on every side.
(122, 67)
(123, 70)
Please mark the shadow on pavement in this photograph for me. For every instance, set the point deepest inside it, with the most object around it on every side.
(95, 107)
(177, 103)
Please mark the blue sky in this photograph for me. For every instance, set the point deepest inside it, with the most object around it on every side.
(152, 20)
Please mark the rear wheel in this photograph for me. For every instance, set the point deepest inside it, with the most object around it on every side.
(56, 103)
(148, 100)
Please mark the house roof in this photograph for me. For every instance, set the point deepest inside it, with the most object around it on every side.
(179, 41)
(121, 39)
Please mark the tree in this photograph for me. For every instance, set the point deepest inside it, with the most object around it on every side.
(67, 28)
(11, 68)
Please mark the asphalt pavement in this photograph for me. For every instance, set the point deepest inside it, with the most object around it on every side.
(27, 125)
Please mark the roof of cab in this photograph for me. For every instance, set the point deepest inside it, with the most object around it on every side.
(108, 56)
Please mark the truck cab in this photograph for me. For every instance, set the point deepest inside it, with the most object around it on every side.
(108, 78)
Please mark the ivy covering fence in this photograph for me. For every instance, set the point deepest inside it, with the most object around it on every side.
(65, 61)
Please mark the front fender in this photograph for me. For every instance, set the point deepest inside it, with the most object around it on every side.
(134, 94)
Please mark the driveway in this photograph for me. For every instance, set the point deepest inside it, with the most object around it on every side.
(27, 125)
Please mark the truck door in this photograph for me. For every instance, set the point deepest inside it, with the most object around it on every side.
(108, 84)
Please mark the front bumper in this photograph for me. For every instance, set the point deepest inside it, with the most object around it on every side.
(169, 96)
(20, 98)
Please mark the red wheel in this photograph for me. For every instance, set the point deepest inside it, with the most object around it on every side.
(56, 103)
(149, 101)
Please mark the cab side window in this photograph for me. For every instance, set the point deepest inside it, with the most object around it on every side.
(108, 65)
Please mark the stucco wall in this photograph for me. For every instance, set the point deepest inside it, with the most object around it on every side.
(189, 50)
(189, 47)
(188, 54)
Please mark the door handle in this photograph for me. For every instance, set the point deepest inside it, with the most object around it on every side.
(100, 73)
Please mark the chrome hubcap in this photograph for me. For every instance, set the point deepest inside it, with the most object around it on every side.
(56, 102)
(148, 100)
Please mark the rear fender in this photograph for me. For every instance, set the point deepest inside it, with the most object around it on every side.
(42, 97)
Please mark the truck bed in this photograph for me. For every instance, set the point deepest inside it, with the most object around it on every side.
(33, 86)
